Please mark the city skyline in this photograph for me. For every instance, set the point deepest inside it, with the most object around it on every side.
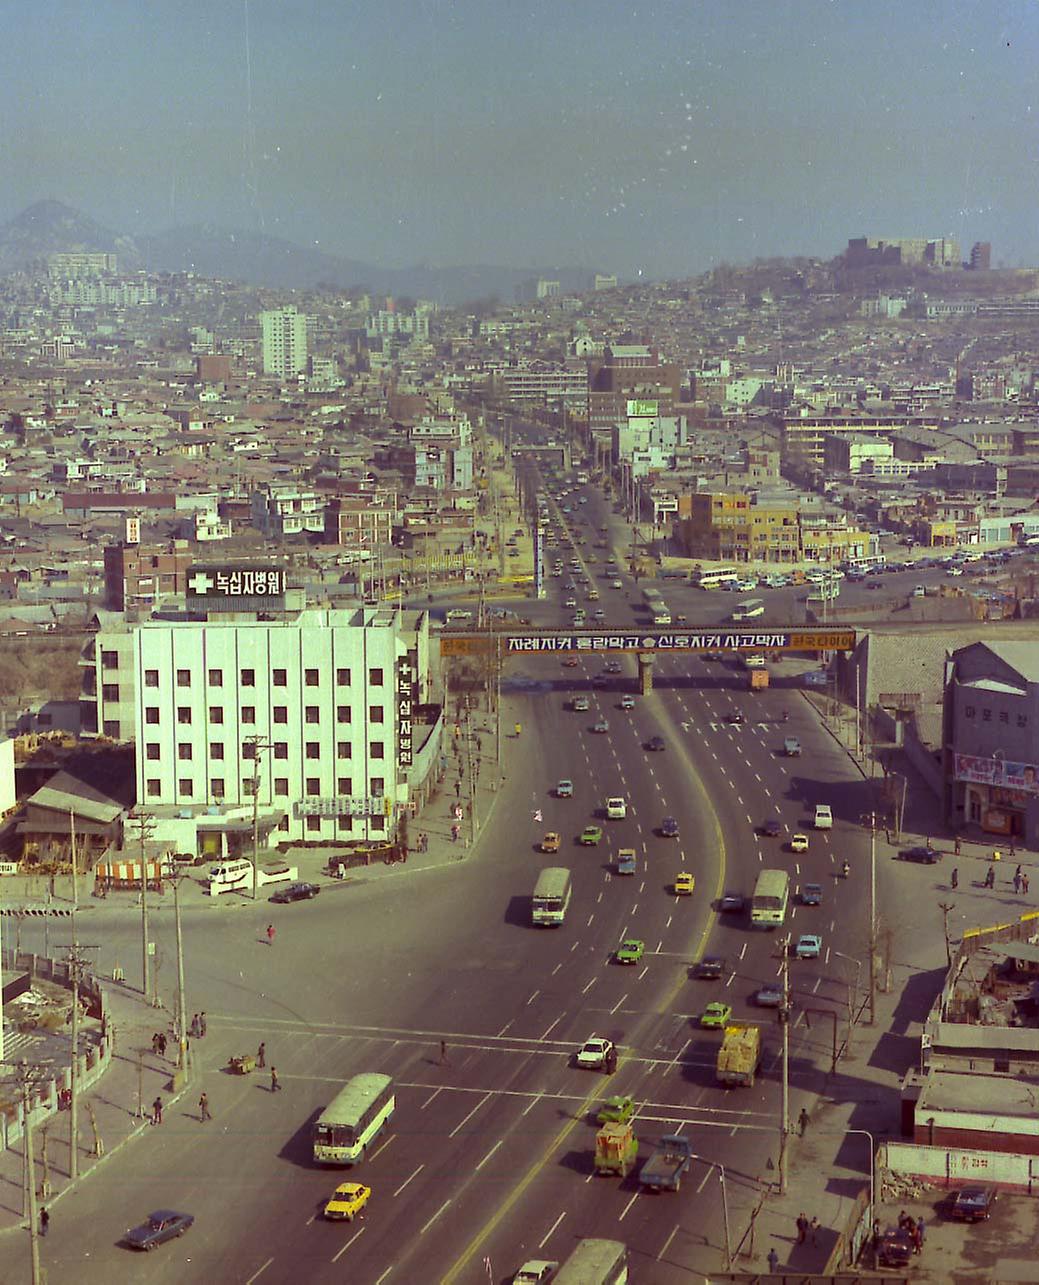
(656, 142)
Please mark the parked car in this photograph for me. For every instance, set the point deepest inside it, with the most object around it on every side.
(895, 1248)
(157, 1228)
(922, 852)
(972, 1204)
(295, 892)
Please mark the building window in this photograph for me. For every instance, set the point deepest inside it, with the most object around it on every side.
(216, 750)
(344, 786)
(313, 749)
(248, 713)
(313, 823)
(151, 678)
(151, 750)
(248, 677)
(377, 823)
(109, 660)
(986, 716)
(183, 677)
(313, 786)
(377, 750)
(110, 691)
(310, 677)
(377, 784)
(111, 729)
(375, 714)
(344, 823)
(151, 714)
(216, 787)
(280, 678)
(312, 714)
(342, 678)
(248, 749)
(183, 714)
(249, 786)
(375, 678)
(153, 786)
(185, 787)
(216, 713)
(342, 713)
(344, 750)
(969, 711)
(281, 713)
(184, 751)
(281, 749)
(216, 678)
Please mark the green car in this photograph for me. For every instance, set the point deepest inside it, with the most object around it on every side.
(591, 835)
(631, 951)
(716, 1016)
(616, 1110)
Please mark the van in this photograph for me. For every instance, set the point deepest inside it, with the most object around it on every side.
(823, 817)
(919, 591)
(229, 876)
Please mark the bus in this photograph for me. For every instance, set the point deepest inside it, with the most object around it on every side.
(595, 1262)
(719, 578)
(551, 898)
(353, 1119)
(748, 609)
(771, 894)
(864, 564)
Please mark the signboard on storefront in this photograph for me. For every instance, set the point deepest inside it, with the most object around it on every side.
(236, 587)
(997, 772)
(638, 409)
(342, 805)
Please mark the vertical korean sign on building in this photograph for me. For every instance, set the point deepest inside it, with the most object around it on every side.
(405, 693)
(539, 562)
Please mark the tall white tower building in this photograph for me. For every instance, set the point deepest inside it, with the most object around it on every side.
(284, 342)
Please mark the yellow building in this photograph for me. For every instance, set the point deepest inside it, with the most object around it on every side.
(725, 526)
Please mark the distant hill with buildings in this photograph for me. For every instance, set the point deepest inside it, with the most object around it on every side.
(50, 227)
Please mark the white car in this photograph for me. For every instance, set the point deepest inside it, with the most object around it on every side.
(823, 817)
(535, 1272)
(593, 1053)
(616, 809)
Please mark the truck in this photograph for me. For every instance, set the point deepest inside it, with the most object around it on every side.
(739, 1055)
(758, 680)
(664, 1169)
(616, 1148)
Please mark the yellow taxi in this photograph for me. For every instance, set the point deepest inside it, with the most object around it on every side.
(684, 884)
(551, 842)
(347, 1201)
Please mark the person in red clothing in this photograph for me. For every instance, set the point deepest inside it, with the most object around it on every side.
(270, 934)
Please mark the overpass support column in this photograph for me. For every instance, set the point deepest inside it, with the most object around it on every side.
(645, 659)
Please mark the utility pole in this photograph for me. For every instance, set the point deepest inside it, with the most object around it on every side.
(183, 1053)
(260, 745)
(784, 1017)
(945, 917)
(473, 823)
(872, 918)
(145, 828)
(75, 959)
(27, 1078)
(72, 843)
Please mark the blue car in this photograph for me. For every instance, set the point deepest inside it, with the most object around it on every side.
(809, 946)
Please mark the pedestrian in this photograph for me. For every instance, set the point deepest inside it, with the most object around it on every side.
(954, 878)
(1024, 884)
(162, 1044)
(990, 878)
(956, 845)
(155, 1043)
(458, 788)
(1018, 872)
(275, 1082)
(270, 934)
(157, 1111)
(802, 1121)
(1017, 883)
(45, 1221)
(903, 1221)
(203, 1108)
(815, 1231)
(194, 1026)
(261, 1055)
(773, 1261)
(802, 1228)
(201, 1024)
(921, 1232)
(443, 1053)
(1013, 850)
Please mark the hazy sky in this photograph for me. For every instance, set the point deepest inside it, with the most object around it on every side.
(658, 137)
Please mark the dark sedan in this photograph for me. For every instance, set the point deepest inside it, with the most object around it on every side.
(295, 892)
(669, 828)
(709, 969)
(157, 1228)
(972, 1204)
(771, 827)
(731, 904)
(921, 852)
(656, 744)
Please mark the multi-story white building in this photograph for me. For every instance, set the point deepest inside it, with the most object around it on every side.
(279, 511)
(284, 342)
(319, 709)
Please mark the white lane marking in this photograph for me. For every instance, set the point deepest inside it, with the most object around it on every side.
(667, 1243)
(259, 1271)
(660, 946)
(587, 988)
(627, 1207)
(435, 1217)
(555, 970)
(504, 1028)
(359, 1232)
(599, 898)
(818, 983)
(380, 1150)
(544, 1240)
(573, 947)
(430, 1098)
(703, 1180)
(552, 1027)
(590, 918)
(407, 1180)
(668, 924)
(642, 974)
(617, 1005)
(533, 998)
(488, 1155)
(826, 958)
(732, 978)
(533, 1103)
(462, 1123)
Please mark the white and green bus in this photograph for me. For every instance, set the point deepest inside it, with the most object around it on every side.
(749, 609)
(595, 1262)
(716, 578)
(551, 898)
(769, 902)
(349, 1124)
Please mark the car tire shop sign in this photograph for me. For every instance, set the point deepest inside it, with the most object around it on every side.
(467, 642)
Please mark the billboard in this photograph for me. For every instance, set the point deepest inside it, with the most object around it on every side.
(638, 409)
(405, 694)
(999, 773)
(237, 586)
(342, 805)
(468, 642)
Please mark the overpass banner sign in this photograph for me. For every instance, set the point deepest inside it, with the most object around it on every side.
(532, 642)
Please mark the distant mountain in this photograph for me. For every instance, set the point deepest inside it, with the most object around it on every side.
(260, 260)
(49, 227)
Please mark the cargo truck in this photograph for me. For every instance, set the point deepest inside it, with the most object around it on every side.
(616, 1148)
(664, 1169)
(758, 680)
(739, 1054)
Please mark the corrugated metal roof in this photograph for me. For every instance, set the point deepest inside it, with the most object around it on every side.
(66, 793)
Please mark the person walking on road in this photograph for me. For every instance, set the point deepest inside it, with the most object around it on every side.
(201, 1024)
(157, 1111)
(1024, 884)
(443, 1053)
(802, 1228)
(193, 1028)
(954, 878)
(1017, 883)
(990, 878)
(815, 1231)
(956, 846)
(921, 1232)
(261, 1055)
(275, 1082)
(773, 1261)
(802, 1121)
(45, 1221)
(203, 1108)
(270, 934)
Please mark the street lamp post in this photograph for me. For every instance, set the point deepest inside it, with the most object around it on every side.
(865, 1133)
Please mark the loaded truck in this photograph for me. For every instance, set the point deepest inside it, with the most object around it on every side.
(616, 1148)
(758, 680)
(664, 1169)
(739, 1054)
